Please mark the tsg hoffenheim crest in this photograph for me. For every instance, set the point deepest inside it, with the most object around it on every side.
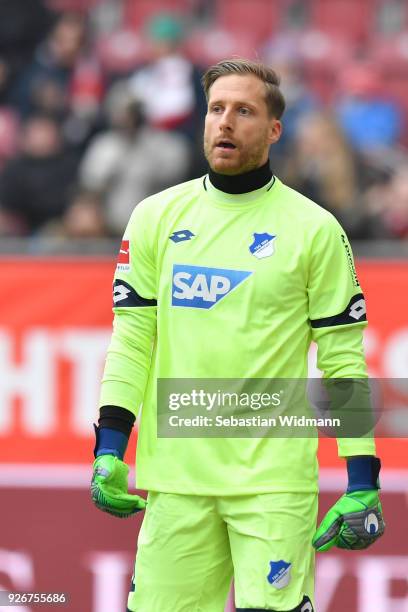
(263, 245)
(279, 575)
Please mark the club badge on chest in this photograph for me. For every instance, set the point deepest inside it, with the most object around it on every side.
(263, 245)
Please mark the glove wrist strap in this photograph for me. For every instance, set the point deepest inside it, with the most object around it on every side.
(110, 442)
(363, 473)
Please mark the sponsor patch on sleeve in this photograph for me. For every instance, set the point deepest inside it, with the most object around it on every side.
(123, 263)
(350, 261)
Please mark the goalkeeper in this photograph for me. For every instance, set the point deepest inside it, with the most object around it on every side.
(231, 275)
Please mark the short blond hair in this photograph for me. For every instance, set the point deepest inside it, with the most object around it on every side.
(274, 97)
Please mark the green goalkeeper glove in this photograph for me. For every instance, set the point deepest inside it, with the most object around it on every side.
(354, 522)
(109, 488)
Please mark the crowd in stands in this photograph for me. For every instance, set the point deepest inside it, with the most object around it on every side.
(101, 105)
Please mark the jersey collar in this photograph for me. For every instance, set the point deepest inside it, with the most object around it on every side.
(230, 200)
(242, 183)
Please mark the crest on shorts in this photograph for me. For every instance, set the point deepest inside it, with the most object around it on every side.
(279, 576)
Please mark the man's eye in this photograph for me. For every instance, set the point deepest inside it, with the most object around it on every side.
(216, 109)
(244, 111)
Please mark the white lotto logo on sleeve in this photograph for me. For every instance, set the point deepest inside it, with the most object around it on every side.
(358, 309)
(198, 287)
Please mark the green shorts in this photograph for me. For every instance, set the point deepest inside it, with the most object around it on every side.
(190, 547)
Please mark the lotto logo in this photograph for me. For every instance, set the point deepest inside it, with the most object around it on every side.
(120, 293)
(198, 287)
(358, 309)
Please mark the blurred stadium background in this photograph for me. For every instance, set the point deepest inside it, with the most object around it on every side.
(100, 105)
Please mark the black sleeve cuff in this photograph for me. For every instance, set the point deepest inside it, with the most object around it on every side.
(117, 418)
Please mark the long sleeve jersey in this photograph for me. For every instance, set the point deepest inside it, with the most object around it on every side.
(211, 285)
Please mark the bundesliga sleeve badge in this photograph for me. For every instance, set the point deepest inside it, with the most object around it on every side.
(123, 263)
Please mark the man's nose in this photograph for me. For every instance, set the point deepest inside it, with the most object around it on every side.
(226, 121)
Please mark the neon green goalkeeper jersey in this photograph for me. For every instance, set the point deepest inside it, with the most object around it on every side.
(211, 285)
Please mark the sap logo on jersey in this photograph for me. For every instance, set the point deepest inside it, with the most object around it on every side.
(198, 287)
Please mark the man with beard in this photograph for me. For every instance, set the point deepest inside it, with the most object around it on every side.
(230, 276)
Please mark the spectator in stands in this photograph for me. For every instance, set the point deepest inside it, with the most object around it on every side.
(83, 218)
(9, 130)
(131, 160)
(169, 85)
(368, 117)
(64, 79)
(22, 26)
(387, 203)
(281, 53)
(323, 167)
(54, 61)
(35, 185)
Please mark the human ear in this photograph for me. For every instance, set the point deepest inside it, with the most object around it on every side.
(275, 131)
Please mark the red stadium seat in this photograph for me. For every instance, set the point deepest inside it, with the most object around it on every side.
(322, 57)
(81, 6)
(396, 88)
(206, 47)
(391, 53)
(318, 47)
(121, 51)
(259, 17)
(138, 12)
(351, 19)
